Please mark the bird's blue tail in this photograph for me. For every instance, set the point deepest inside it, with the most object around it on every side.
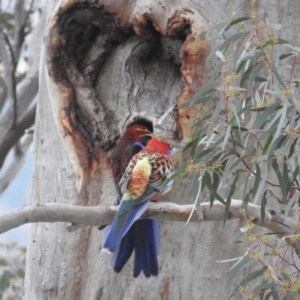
(127, 214)
(143, 237)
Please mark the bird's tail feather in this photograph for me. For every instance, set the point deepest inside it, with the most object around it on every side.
(127, 214)
(123, 252)
(145, 237)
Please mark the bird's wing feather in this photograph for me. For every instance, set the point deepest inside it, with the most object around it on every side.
(128, 173)
(124, 219)
(138, 167)
(161, 169)
(149, 193)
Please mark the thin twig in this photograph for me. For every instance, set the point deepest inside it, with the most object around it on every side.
(254, 173)
(28, 13)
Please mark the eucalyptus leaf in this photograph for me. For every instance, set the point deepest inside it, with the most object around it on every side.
(205, 90)
(264, 286)
(231, 40)
(275, 26)
(286, 55)
(252, 54)
(236, 143)
(252, 276)
(214, 118)
(257, 180)
(237, 21)
(226, 137)
(203, 153)
(242, 264)
(228, 200)
(277, 75)
(263, 206)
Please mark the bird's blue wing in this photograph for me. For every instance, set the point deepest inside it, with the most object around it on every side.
(143, 237)
(127, 214)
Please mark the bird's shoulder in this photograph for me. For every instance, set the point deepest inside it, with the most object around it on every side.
(137, 161)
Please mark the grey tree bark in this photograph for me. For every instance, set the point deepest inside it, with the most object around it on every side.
(103, 63)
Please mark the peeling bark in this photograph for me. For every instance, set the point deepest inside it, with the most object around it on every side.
(83, 45)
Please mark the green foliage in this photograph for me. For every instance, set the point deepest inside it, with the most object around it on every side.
(247, 123)
(249, 116)
(277, 276)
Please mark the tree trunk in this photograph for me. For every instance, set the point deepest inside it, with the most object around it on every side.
(104, 63)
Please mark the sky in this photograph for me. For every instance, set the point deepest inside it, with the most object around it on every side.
(15, 196)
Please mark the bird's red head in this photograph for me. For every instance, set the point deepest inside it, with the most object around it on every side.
(156, 144)
(138, 132)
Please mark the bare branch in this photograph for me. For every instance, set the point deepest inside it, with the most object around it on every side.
(100, 215)
(20, 18)
(13, 136)
(12, 170)
(28, 87)
(3, 96)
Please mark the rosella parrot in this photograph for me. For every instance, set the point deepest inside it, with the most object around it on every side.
(134, 139)
(143, 236)
(143, 179)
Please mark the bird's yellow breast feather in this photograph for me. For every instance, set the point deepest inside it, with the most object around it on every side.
(139, 179)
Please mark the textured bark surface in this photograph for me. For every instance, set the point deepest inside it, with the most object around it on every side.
(104, 63)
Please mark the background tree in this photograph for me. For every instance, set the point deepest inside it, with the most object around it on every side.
(101, 66)
(21, 30)
(20, 47)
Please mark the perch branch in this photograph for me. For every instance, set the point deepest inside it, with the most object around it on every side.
(100, 215)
